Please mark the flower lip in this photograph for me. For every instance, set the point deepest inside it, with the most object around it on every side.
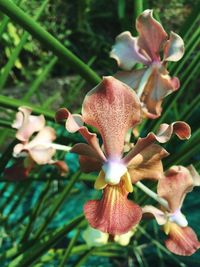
(178, 218)
(114, 170)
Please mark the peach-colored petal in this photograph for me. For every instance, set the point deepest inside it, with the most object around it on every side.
(131, 78)
(126, 51)
(40, 148)
(88, 164)
(147, 163)
(174, 186)
(27, 124)
(174, 48)
(164, 133)
(114, 213)
(151, 35)
(195, 175)
(74, 123)
(158, 85)
(158, 214)
(182, 240)
(112, 107)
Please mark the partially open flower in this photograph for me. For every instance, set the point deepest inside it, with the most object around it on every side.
(152, 83)
(113, 108)
(178, 181)
(38, 148)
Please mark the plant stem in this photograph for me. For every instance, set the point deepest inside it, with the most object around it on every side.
(152, 194)
(20, 17)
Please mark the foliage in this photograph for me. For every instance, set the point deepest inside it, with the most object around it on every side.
(41, 217)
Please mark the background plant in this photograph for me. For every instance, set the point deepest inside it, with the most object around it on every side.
(37, 215)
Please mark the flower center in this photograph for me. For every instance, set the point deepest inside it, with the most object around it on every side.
(113, 170)
(178, 218)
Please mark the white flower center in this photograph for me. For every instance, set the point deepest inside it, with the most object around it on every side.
(178, 218)
(113, 170)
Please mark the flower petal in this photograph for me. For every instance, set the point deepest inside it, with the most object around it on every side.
(131, 78)
(126, 51)
(182, 240)
(88, 164)
(114, 213)
(195, 175)
(147, 164)
(174, 186)
(158, 214)
(27, 124)
(113, 108)
(159, 85)
(94, 237)
(40, 147)
(174, 48)
(74, 123)
(164, 133)
(151, 34)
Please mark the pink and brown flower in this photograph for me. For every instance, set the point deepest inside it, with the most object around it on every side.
(177, 182)
(113, 108)
(152, 83)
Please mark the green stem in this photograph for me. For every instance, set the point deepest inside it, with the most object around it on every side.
(11, 103)
(69, 249)
(57, 204)
(152, 194)
(20, 17)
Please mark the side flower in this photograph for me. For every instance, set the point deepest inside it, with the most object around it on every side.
(178, 181)
(113, 108)
(36, 149)
(153, 82)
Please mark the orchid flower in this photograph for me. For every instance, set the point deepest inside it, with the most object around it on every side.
(153, 82)
(96, 238)
(40, 147)
(177, 182)
(113, 108)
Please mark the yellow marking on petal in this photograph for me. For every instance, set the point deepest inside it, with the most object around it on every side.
(100, 182)
(127, 182)
(167, 227)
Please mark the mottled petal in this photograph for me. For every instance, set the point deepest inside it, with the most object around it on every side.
(174, 186)
(114, 213)
(126, 51)
(27, 124)
(164, 133)
(151, 34)
(147, 164)
(158, 214)
(74, 123)
(112, 108)
(174, 48)
(131, 78)
(182, 240)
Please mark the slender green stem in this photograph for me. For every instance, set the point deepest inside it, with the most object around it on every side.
(11, 103)
(69, 249)
(35, 85)
(57, 204)
(34, 214)
(152, 194)
(19, 16)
